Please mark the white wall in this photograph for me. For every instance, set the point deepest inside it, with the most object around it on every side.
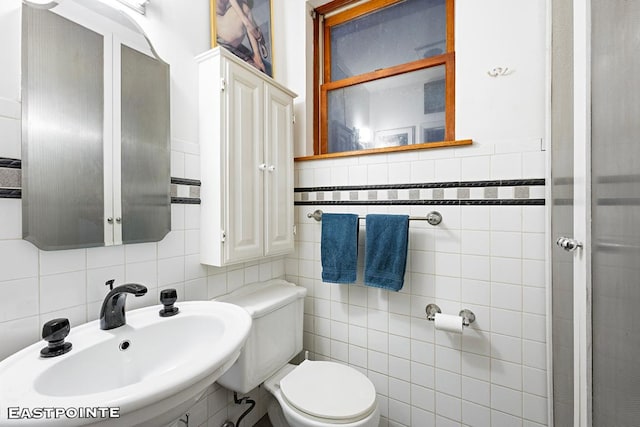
(294, 56)
(490, 259)
(492, 375)
(499, 33)
(37, 286)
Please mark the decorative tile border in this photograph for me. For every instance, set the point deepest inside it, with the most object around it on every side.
(494, 192)
(470, 202)
(183, 190)
(6, 162)
(447, 184)
(10, 193)
(185, 200)
(10, 178)
(186, 181)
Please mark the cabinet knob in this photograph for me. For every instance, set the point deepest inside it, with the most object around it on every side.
(262, 166)
(271, 168)
(110, 220)
(118, 220)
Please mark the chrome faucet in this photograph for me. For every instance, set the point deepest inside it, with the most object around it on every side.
(112, 311)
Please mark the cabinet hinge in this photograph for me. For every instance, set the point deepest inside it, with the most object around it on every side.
(223, 236)
(294, 119)
(295, 230)
(223, 84)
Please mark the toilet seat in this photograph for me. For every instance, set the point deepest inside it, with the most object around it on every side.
(329, 390)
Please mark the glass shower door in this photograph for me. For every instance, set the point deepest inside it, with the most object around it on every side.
(596, 200)
(615, 207)
(562, 189)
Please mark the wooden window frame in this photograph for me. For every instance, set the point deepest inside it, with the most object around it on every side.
(339, 12)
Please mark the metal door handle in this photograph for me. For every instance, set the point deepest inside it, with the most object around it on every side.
(568, 244)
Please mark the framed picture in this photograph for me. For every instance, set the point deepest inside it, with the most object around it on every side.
(244, 28)
(432, 130)
(432, 134)
(395, 137)
(341, 138)
(434, 96)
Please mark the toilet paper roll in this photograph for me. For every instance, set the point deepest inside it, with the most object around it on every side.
(448, 322)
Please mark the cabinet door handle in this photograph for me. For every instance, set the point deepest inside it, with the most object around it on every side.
(262, 166)
(272, 168)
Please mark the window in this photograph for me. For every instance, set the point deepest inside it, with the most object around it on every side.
(386, 79)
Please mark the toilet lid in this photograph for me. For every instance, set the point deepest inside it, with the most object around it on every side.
(329, 390)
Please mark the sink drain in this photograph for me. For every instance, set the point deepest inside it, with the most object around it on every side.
(125, 345)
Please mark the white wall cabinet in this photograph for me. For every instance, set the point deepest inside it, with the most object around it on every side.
(246, 150)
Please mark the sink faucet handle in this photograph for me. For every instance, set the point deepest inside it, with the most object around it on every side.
(167, 298)
(54, 332)
(110, 283)
(112, 311)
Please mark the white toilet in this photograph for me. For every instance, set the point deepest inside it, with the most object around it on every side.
(312, 394)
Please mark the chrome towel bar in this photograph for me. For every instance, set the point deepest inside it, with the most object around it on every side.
(433, 218)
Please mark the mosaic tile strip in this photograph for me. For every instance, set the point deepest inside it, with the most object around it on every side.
(186, 181)
(503, 192)
(10, 193)
(448, 184)
(521, 192)
(462, 202)
(185, 191)
(10, 178)
(185, 201)
(182, 190)
(6, 162)
(194, 192)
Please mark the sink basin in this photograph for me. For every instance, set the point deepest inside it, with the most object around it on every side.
(151, 370)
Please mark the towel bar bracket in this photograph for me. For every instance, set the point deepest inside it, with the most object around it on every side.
(317, 215)
(433, 218)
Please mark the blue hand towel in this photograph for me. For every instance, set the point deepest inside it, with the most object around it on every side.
(385, 256)
(339, 248)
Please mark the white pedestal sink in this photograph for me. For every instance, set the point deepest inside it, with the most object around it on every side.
(167, 364)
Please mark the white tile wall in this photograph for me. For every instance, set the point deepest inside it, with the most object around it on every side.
(489, 259)
(423, 378)
(40, 285)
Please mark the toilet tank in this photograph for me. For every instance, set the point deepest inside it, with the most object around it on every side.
(277, 309)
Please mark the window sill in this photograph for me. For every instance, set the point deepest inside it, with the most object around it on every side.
(386, 150)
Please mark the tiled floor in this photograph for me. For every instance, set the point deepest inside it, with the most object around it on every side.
(263, 422)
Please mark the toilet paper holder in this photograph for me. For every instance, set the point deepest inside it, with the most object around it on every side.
(467, 315)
